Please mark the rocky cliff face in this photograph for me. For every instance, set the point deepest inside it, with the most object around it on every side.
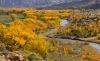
(31, 3)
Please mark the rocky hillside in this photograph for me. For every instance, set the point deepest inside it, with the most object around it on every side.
(31, 3)
(87, 4)
(52, 4)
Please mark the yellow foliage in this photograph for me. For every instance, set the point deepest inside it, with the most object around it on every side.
(13, 16)
(34, 24)
(2, 27)
(68, 49)
(98, 36)
(20, 35)
(65, 30)
(89, 54)
(38, 45)
(16, 35)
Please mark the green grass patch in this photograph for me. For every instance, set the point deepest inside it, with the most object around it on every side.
(7, 25)
(7, 18)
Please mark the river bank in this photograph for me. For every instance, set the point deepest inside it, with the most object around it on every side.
(92, 41)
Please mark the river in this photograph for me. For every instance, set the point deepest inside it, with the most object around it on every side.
(63, 22)
(94, 45)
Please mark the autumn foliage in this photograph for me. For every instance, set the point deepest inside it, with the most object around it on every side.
(13, 16)
(89, 54)
(26, 34)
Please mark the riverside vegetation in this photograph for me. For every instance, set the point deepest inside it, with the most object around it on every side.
(22, 35)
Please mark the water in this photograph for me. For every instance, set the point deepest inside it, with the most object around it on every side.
(94, 45)
(63, 22)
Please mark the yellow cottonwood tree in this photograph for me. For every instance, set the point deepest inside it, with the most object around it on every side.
(2, 28)
(38, 45)
(35, 25)
(16, 36)
(19, 35)
(89, 54)
(13, 16)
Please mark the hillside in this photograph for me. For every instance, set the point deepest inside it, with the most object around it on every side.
(31, 3)
(87, 4)
(52, 4)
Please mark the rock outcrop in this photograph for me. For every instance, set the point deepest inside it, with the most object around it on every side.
(6, 55)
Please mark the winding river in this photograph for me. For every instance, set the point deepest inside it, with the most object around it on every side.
(94, 45)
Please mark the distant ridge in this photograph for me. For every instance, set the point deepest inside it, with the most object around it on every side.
(32, 3)
(87, 4)
(51, 4)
